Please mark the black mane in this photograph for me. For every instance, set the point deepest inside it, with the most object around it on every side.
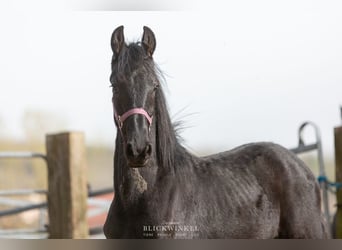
(166, 136)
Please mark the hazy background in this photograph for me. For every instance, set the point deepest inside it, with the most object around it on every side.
(236, 72)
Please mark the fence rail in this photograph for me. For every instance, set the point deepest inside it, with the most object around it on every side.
(24, 206)
(20, 192)
(98, 207)
(65, 152)
(21, 155)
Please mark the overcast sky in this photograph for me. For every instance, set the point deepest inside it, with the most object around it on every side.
(236, 71)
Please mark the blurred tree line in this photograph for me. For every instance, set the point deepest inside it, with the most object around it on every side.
(32, 173)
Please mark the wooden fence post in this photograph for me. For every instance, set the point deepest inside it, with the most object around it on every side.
(67, 187)
(338, 161)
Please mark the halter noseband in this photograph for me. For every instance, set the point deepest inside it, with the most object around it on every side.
(120, 119)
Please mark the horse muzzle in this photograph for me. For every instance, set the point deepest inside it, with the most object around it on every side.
(138, 156)
(138, 149)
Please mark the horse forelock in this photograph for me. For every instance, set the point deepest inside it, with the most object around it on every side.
(131, 58)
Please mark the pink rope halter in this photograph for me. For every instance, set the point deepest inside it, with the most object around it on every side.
(135, 111)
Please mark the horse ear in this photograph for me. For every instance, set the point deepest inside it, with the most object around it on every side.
(148, 41)
(117, 40)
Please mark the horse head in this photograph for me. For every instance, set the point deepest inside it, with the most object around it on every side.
(134, 83)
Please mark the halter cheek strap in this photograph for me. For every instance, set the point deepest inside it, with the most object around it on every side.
(120, 119)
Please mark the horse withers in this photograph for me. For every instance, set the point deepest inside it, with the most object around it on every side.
(258, 190)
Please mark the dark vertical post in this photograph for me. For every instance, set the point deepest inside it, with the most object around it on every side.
(338, 161)
(67, 188)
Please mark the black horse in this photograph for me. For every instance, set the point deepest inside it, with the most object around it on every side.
(258, 190)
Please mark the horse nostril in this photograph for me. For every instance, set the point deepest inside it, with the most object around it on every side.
(148, 150)
(132, 152)
(129, 150)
